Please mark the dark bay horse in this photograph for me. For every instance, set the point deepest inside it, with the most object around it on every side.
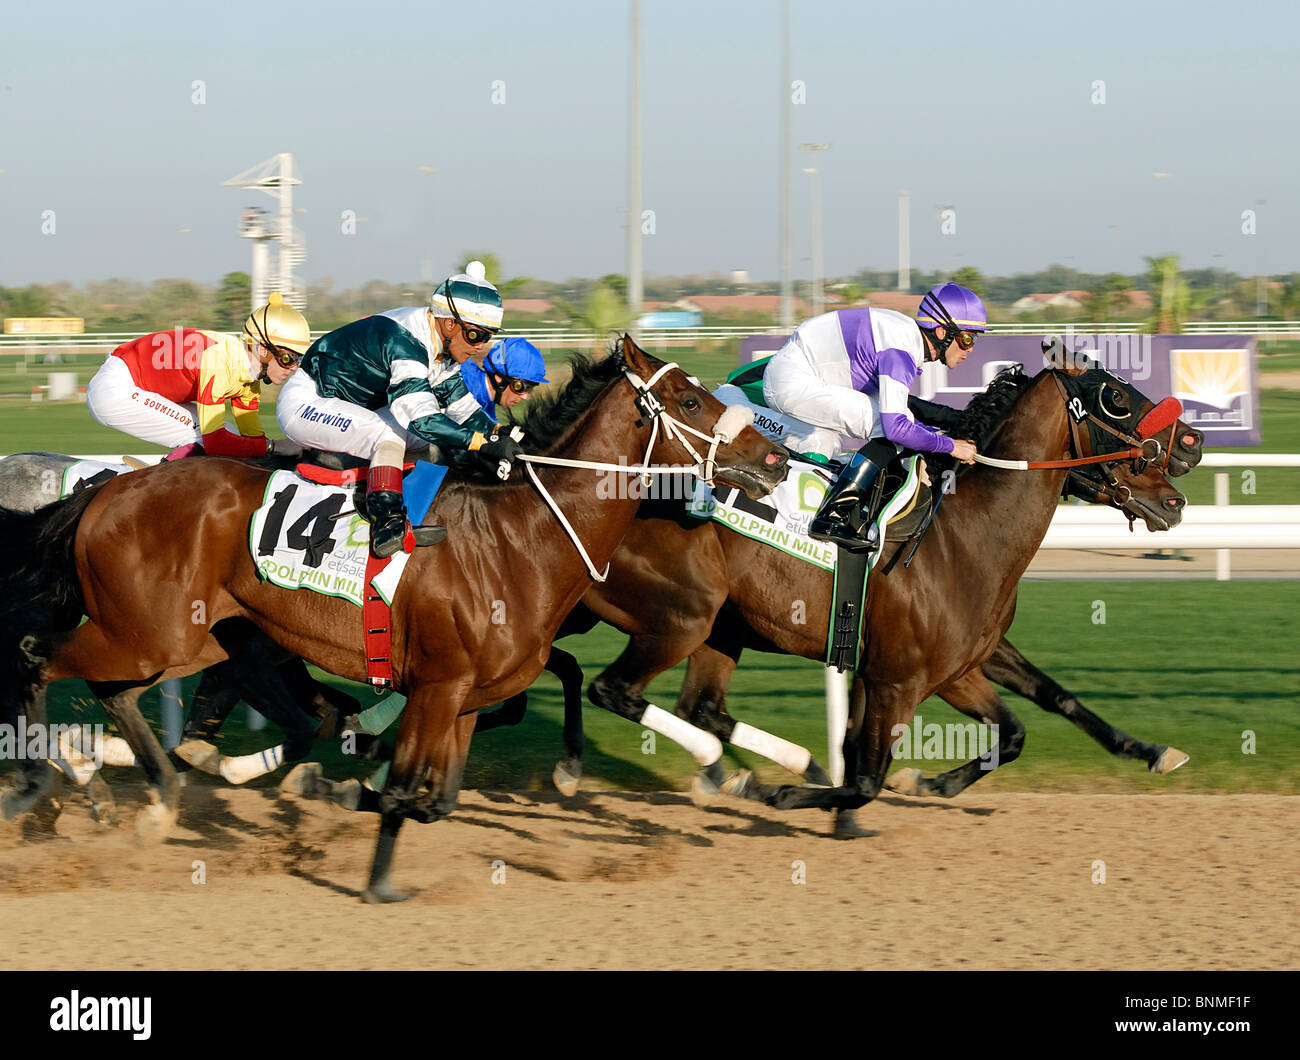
(673, 573)
(472, 619)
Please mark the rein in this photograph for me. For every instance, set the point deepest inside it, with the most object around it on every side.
(652, 410)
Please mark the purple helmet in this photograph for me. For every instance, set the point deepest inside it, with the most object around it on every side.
(950, 305)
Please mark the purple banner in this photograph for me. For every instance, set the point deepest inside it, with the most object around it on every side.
(1212, 375)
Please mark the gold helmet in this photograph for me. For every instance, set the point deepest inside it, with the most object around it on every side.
(281, 329)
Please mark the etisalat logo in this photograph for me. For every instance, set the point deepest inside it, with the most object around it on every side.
(77, 1013)
(56, 744)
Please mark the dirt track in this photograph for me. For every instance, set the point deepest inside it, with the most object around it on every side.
(616, 881)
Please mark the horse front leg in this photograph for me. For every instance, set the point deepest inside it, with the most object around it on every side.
(975, 697)
(430, 736)
(619, 689)
(568, 773)
(703, 702)
(1007, 667)
(861, 783)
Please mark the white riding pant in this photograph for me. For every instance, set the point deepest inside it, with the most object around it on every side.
(116, 400)
(335, 425)
(795, 385)
(794, 434)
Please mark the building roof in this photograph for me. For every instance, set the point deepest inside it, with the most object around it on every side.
(898, 301)
(527, 305)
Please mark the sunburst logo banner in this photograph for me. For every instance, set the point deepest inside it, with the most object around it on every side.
(1214, 386)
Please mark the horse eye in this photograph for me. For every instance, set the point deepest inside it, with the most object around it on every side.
(691, 404)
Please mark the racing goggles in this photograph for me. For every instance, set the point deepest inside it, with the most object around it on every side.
(474, 334)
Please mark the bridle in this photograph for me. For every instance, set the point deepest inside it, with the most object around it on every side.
(1143, 446)
(733, 420)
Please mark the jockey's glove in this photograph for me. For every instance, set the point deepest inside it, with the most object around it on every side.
(498, 451)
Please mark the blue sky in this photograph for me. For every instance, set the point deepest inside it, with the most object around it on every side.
(986, 107)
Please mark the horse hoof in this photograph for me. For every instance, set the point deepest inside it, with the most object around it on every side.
(847, 827)
(816, 777)
(565, 780)
(305, 780)
(200, 755)
(704, 789)
(1170, 759)
(382, 894)
(907, 782)
(741, 784)
(154, 823)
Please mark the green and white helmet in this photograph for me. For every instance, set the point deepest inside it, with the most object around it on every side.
(470, 297)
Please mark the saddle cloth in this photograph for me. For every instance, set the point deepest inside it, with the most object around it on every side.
(781, 519)
(306, 535)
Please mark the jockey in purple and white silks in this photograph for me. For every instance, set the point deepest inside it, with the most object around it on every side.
(848, 373)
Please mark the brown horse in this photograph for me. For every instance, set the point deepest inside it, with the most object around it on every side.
(472, 619)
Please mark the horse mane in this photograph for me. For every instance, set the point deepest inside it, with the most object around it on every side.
(547, 418)
(987, 409)
(984, 414)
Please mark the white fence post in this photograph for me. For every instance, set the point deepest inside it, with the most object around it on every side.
(1222, 556)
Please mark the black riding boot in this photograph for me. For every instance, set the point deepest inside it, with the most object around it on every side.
(833, 520)
(387, 522)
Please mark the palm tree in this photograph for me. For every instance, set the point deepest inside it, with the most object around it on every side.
(1170, 295)
(604, 313)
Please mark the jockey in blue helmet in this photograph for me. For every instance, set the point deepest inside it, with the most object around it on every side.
(848, 373)
(510, 372)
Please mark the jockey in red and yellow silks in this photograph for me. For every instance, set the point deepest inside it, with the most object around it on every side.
(171, 387)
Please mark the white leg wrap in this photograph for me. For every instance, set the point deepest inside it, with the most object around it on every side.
(704, 747)
(250, 767)
(782, 752)
(117, 752)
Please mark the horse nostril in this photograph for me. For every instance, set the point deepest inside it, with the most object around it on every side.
(773, 458)
(1175, 502)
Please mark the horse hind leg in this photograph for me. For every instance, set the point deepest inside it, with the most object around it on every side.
(1012, 670)
(155, 821)
(975, 697)
(25, 699)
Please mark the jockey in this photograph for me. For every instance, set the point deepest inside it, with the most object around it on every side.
(386, 385)
(510, 372)
(170, 387)
(848, 373)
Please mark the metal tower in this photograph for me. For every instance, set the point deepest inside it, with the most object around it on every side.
(275, 176)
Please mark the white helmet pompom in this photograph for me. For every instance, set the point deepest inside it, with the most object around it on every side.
(476, 270)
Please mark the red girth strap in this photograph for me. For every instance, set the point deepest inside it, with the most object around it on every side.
(376, 628)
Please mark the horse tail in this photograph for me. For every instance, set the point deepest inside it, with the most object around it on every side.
(41, 592)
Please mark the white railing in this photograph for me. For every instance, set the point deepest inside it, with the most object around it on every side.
(554, 336)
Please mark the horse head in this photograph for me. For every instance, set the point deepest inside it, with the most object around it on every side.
(686, 420)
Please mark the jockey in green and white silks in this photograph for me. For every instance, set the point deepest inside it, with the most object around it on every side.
(390, 384)
(847, 373)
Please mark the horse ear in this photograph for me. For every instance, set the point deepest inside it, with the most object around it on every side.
(635, 357)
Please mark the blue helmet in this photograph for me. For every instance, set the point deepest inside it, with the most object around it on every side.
(517, 358)
(952, 306)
